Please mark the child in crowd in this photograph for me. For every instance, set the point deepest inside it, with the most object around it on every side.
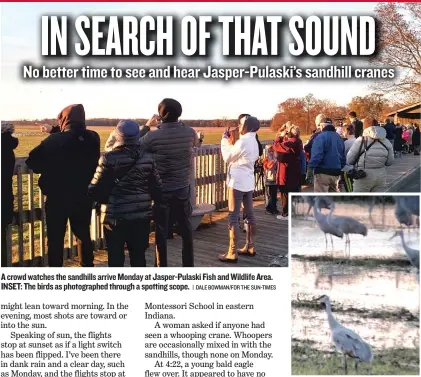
(270, 168)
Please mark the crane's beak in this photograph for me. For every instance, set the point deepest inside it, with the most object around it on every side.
(318, 298)
(391, 238)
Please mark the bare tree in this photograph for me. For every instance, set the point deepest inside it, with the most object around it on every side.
(400, 48)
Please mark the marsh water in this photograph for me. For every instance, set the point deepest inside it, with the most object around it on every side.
(375, 293)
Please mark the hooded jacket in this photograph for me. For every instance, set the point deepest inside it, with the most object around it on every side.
(328, 152)
(288, 153)
(378, 156)
(8, 144)
(67, 160)
(131, 198)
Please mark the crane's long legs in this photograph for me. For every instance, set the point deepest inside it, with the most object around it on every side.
(326, 241)
(331, 241)
(345, 365)
(356, 366)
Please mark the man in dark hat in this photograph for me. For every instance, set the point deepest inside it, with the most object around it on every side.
(172, 145)
(67, 160)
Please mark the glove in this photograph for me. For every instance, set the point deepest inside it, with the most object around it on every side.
(226, 134)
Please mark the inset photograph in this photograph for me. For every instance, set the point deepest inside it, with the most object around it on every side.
(355, 285)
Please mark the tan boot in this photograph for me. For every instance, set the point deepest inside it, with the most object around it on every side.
(231, 255)
(249, 248)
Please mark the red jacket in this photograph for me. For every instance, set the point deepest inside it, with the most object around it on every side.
(289, 166)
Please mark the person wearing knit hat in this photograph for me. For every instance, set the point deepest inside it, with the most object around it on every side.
(173, 145)
(8, 145)
(240, 159)
(126, 204)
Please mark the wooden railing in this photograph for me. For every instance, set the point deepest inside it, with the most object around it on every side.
(27, 236)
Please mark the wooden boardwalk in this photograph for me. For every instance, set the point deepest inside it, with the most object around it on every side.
(395, 173)
(212, 238)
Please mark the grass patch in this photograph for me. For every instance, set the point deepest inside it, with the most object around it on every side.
(306, 360)
(357, 262)
(395, 315)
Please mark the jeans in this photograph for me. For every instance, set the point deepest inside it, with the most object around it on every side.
(60, 210)
(178, 202)
(235, 198)
(136, 234)
(271, 197)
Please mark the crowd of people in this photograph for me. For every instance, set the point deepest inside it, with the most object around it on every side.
(145, 175)
(337, 158)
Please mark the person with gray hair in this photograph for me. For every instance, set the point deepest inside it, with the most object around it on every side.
(240, 158)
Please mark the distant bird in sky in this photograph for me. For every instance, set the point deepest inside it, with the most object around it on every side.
(347, 341)
(323, 224)
(347, 225)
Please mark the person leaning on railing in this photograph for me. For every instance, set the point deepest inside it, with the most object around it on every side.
(8, 145)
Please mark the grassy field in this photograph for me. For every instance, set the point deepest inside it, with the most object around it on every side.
(30, 137)
(307, 360)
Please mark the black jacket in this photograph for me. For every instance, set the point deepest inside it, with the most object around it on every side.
(416, 137)
(131, 198)
(172, 146)
(358, 127)
(8, 144)
(67, 160)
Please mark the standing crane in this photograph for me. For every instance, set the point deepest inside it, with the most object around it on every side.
(347, 225)
(347, 341)
(412, 254)
(323, 224)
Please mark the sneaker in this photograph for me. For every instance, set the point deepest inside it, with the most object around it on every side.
(269, 212)
(282, 217)
(276, 212)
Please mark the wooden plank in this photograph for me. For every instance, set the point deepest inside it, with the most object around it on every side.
(42, 240)
(32, 218)
(20, 217)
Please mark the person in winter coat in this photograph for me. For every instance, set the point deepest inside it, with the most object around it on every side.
(357, 124)
(109, 144)
(8, 145)
(126, 210)
(350, 138)
(271, 182)
(309, 145)
(172, 145)
(288, 147)
(240, 158)
(398, 141)
(416, 140)
(390, 131)
(327, 159)
(67, 161)
(371, 152)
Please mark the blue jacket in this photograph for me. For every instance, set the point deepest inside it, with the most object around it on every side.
(390, 131)
(303, 162)
(328, 153)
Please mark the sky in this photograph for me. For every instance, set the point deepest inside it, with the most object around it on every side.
(20, 44)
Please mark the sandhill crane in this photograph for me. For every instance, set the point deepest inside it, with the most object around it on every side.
(413, 254)
(323, 202)
(323, 224)
(347, 225)
(406, 208)
(346, 340)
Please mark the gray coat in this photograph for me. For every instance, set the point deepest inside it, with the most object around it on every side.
(378, 156)
(172, 146)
